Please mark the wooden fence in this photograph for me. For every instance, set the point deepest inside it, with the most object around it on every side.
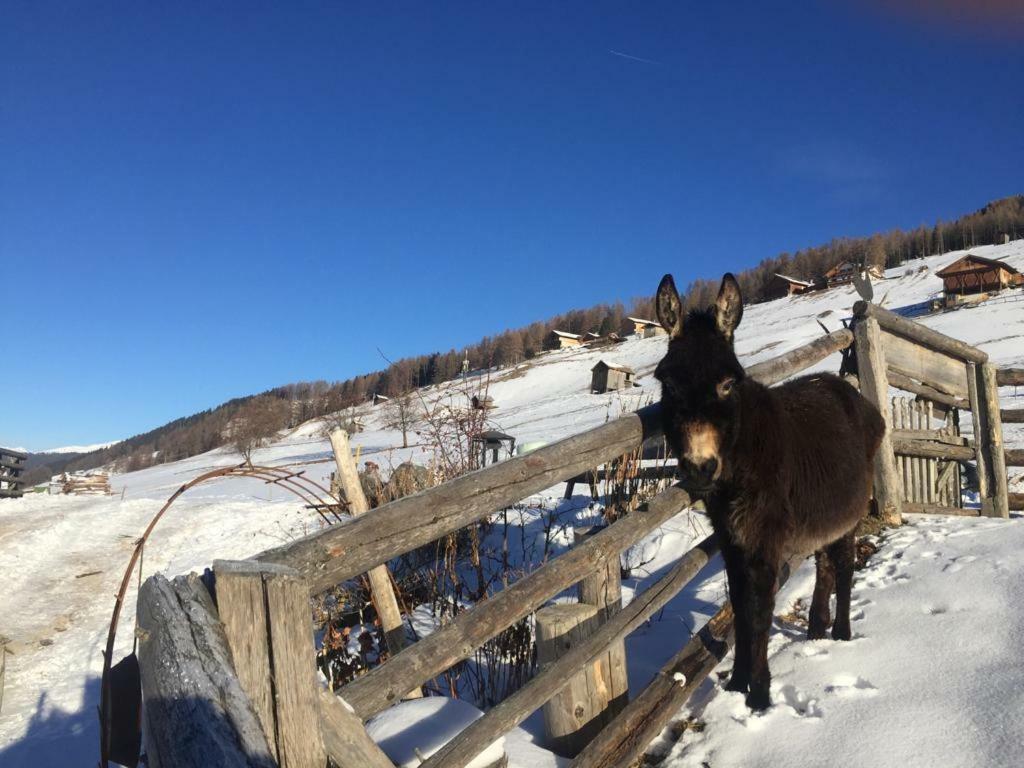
(12, 464)
(228, 658)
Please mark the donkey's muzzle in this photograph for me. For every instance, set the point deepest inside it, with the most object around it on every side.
(698, 476)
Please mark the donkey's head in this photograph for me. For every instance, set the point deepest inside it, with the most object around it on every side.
(699, 378)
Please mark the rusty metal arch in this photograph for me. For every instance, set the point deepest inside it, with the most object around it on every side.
(314, 495)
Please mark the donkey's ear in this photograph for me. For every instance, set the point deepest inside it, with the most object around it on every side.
(728, 306)
(669, 308)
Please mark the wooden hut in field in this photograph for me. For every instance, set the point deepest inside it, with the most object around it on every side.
(563, 340)
(607, 376)
(783, 285)
(646, 328)
(972, 274)
(844, 272)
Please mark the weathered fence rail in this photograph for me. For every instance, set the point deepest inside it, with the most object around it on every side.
(246, 638)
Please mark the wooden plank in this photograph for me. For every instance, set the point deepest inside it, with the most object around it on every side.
(381, 590)
(1010, 377)
(992, 440)
(340, 552)
(1015, 416)
(197, 713)
(914, 508)
(933, 435)
(908, 329)
(267, 622)
(932, 450)
(603, 589)
(517, 707)
(335, 554)
(382, 686)
(1014, 457)
(888, 489)
(977, 417)
(900, 381)
(941, 372)
(1016, 502)
(346, 740)
(574, 715)
(627, 737)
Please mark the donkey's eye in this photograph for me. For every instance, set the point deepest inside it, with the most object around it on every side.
(725, 388)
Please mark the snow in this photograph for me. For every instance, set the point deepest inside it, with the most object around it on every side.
(937, 634)
(80, 448)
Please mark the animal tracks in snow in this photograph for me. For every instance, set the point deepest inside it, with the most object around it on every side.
(850, 685)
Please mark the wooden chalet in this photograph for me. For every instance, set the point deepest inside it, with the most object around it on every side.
(564, 340)
(844, 272)
(783, 285)
(607, 376)
(972, 274)
(12, 464)
(646, 328)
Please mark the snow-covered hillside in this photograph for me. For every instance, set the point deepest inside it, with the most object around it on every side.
(79, 448)
(937, 632)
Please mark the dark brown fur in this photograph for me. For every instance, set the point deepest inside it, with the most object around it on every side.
(782, 471)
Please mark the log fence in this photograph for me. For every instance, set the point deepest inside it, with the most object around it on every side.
(230, 656)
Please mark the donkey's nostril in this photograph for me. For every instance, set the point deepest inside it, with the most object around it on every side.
(706, 470)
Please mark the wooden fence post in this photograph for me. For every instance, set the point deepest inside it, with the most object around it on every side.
(196, 710)
(991, 439)
(267, 620)
(383, 593)
(875, 387)
(603, 590)
(574, 715)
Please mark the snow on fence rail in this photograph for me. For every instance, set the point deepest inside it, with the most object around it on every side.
(243, 637)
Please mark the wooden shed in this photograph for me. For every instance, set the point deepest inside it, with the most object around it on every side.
(844, 272)
(563, 340)
(976, 274)
(607, 376)
(12, 464)
(646, 328)
(783, 285)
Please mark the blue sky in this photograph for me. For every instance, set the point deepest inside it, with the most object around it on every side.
(200, 201)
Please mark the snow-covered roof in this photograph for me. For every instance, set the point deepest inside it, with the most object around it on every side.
(981, 261)
(567, 335)
(793, 280)
(614, 366)
(641, 320)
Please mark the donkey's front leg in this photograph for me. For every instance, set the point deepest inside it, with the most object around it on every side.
(819, 618)
(762, 573)
(736, 570)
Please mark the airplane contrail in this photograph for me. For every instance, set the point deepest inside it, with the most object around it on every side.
(634, 58)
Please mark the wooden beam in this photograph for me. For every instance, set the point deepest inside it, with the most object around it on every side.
(992, 439)
(340, 552)
(981, 456)
(1014, 457)
(268, 624)
(900, 381)
(874, 386)
(509, 713)
(1015, 416)
(381, 590)
(912, 508)
(196, 710)
(1016, 502)
(921, 334)
(933, 450)
(346, 740)
(934, 435)
(382, 686)
(908, 358)
(782, 367)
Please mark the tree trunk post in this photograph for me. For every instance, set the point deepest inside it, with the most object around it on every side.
(383, 593)
(574, 715)
(875, 387)
(267, 620)
(990, 439)
(603, 590)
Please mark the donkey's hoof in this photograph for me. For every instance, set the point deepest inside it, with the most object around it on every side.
(738, 684)
(759, 700)
(841, 632)
(817, 633)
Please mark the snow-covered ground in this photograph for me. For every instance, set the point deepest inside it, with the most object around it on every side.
(936, 634)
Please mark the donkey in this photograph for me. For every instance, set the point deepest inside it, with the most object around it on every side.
(782, 471)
